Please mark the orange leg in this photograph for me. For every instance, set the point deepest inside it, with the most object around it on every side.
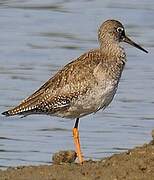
(77, 141)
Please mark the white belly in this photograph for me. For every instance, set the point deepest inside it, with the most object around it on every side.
(96, 99)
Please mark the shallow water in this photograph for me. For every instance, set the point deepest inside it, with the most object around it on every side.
(37, 38)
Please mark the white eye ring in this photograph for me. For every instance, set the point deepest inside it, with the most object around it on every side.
(120, 29)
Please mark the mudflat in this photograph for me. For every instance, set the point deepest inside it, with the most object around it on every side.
(135, 164)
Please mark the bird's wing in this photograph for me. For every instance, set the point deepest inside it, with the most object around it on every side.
(74, 79)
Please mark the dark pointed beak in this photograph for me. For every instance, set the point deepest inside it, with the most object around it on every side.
(129, 41)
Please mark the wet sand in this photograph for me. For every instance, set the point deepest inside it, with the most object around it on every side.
(135, 164)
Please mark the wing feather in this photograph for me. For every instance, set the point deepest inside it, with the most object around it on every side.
(75, 78)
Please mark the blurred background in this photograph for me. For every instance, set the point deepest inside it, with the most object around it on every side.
(36, 39)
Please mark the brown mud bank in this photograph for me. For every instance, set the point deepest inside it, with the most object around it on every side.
(135, 164)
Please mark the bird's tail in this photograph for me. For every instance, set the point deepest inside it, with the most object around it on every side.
(22, 109)
(7, 113)
(12, 112)
(15, 111)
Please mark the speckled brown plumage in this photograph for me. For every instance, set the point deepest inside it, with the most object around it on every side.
(85, 85)
(73, 81)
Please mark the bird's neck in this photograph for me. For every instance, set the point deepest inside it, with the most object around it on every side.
(113, 50)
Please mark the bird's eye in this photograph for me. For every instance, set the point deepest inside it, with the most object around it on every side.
(120, 29)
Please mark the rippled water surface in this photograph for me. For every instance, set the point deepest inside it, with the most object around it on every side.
(39, 37)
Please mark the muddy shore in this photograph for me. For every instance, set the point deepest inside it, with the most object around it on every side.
(135, 164)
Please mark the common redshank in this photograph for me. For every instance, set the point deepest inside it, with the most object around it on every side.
(85, 85)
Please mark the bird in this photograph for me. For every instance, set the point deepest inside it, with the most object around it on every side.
(85, 85)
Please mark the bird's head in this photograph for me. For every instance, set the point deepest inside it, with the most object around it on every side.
(113, 32)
